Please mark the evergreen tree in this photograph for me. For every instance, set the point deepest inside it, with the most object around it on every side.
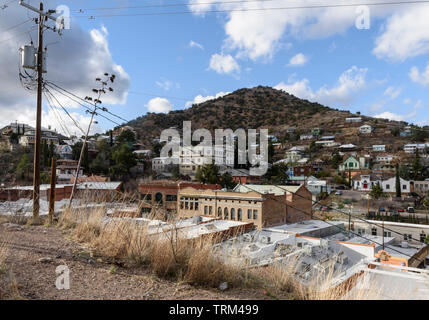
(398, 182)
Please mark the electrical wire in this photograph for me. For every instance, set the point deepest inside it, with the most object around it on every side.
(57, 115)
(65, 110)
(252, 9)
(58, 88)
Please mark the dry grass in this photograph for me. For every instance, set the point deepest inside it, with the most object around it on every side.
(167, 254)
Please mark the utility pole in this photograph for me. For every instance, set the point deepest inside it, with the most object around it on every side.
(39, 68)
(52, 191)
(36, 170)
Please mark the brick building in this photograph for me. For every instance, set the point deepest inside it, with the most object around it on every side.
(262, 208)
(163, 193)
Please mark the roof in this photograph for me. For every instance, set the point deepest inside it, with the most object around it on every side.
(99, 185)
(264, 189)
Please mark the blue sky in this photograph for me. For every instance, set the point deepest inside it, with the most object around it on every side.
(317, 54)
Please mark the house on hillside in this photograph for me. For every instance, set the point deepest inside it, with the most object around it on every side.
(65, 152)
(365, 129)
(406, 132)
(354, 120)
(308, 136)
(347, 147)
(390, 185)
(353, 163)
(379, 148)
(413, 147)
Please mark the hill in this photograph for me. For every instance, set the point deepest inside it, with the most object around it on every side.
(260, 107)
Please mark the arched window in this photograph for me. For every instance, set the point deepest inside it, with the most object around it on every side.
(232, 214)
(158, 197)
(225, 213)
(240, 215)
(206, 210)
(249, 214)
(219, 212)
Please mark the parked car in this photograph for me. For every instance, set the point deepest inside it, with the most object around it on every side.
(324, 209)
(410, 209)
(338, 193)
(401, 210)
(382, 209)
(340, 187)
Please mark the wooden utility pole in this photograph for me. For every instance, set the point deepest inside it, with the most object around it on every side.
(36, 171)
(39, 68)
(52, 191)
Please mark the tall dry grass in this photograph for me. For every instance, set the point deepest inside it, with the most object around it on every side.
(168, 254)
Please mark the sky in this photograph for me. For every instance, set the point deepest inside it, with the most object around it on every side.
(372, 59)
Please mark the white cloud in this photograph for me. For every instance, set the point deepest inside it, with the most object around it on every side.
(392, 92)
(200, 99)
(298, 60)
(349, 84)
(159, 105)
(259, 34)
(194, 44)
(405, 34)
(223, 64)
(73, 62)
(167, 84)
(390, 115)
(421, 78)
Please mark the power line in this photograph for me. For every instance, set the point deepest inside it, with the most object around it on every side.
(6, 4)
(84, 101)
(17, 25)
(18, 35)
(252, 9)
(89, 109)
(57, 115)
(65, 110)
(172, 5)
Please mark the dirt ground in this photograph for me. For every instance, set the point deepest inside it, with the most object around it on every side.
(89, 278)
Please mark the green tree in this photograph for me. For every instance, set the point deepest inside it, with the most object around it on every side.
(126, 136)
(23, 167)
(398, 182)
(336, 160)
(416, 167)
(277, 174)
(377, 192)
(208, 173)
(45, 153)
(124, 160)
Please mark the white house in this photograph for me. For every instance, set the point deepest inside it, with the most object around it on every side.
(365, 129)
(349, 120)
(379, 148)
(364, 182)
(390, 185)
(306, 137)
(384, 158)
(65, 151)
(411, 148)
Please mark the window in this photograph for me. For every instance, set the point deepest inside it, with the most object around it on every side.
(255, 214)
(374, 231)
(387, 234)
(361, 231)
(387, 186)
(147, 197)
(249, 214)
(225, 213)
(158, 197)
(210, 210)
(206, 210)
(171, 197)
(219, 212)
(232, 214)
(404, 187)
(240, 215)
(422, 237)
